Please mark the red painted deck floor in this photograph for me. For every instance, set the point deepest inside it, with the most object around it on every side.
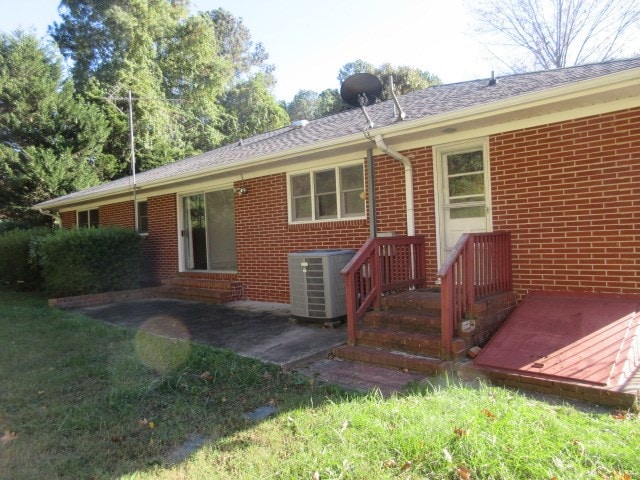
(587, 339)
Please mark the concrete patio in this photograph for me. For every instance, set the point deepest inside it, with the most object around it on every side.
(259, 330)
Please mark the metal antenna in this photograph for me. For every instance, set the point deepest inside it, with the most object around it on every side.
(133, 146)
(130, 99)
(400, 113)
(362, 100)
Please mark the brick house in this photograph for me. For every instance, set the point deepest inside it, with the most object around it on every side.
(552, 157)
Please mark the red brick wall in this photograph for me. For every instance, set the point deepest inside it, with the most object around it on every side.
(264, 238)
(118, 214)
(160, 247)
(69, 219)
(391, 200)
(570, 194)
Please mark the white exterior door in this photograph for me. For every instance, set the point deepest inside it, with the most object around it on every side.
(462, 195)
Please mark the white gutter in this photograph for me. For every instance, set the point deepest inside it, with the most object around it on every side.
(408, 181)
(55, 216)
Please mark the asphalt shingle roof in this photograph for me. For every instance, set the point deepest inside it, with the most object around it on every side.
(420, 104)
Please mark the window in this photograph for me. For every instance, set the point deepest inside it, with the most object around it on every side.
(465, 184)
(327, 194)
(89, 218)
(143, 218)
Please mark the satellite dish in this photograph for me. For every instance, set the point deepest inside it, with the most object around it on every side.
(361, 89)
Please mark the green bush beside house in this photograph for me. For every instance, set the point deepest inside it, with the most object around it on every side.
(70, 262)
(19, 268)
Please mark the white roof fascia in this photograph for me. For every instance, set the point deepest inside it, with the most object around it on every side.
(627, 78)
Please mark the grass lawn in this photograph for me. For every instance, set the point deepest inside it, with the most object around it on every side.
(81, 399)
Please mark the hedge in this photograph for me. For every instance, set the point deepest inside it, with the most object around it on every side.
(19, 268)
(90, 260)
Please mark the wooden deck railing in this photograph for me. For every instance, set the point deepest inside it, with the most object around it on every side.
(479, 266)
(381, 265)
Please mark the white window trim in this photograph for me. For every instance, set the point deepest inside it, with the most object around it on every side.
(137, 217)
(339, 217)
(88, 210)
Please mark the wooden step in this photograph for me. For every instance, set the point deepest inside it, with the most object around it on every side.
(426, 301)
(386, 358)
(403, 321)
(199, 294)
(418, 343)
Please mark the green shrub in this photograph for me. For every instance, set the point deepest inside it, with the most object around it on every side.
(30, 222)
(18, 268)
(90, 260)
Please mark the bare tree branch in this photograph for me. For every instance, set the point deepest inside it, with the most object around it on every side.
(559, 33)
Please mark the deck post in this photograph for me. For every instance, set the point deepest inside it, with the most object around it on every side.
(351, 312)
(446, 315)
(468, 283)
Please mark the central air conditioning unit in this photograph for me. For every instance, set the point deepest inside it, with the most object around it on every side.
(315, 284)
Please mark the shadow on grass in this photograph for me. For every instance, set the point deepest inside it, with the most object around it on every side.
(89, 400)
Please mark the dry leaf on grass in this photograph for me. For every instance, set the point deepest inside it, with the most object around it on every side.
(578, 444)
(488, 413)
(461, 432)
(620, 414)
(206, 376)
(463, 473)
(147, 423)
(447, 455)
(391, 463)
(621, 476)
(406, 466)
(8, 436)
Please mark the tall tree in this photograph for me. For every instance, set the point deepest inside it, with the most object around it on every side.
(251, 109)
(197, 80)
(236, 45)
(167, 58)
(304, 105)
(51, 140)
(557, 33)
(329, 101)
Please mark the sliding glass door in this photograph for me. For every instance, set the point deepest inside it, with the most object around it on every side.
(209, 234)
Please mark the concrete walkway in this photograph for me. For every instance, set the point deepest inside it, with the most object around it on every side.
(259, 330)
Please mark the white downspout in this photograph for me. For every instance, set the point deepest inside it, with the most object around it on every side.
(408, 181)
(56, 216)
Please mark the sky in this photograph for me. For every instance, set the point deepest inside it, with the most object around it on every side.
(309, 41)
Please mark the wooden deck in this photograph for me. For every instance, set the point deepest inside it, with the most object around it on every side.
(584, 346)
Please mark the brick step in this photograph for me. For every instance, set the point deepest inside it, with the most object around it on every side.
(418, 343)
(410, 321)
(386, 358)
(200, 283)
(425, 301)
(200, 294)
